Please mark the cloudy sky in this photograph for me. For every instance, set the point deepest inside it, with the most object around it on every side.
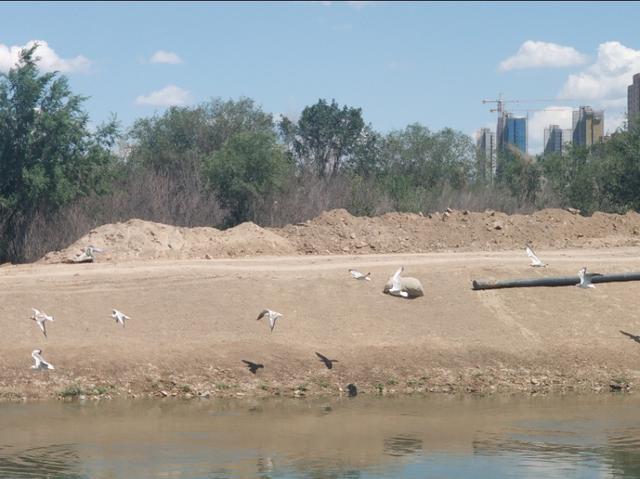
(431, 63)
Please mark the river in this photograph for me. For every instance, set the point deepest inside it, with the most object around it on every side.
(438, 436)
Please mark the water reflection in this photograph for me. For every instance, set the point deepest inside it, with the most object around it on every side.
(358, 438)
(404, 445)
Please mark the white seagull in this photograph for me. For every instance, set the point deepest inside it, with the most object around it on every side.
(40, 319)
(119, 316)
(585, 278)
(40, 363)
(87, 255)
(535, 261)
(396, 286)
(358, 275)
(272, 315)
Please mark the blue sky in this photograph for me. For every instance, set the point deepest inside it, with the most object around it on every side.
(408, 62)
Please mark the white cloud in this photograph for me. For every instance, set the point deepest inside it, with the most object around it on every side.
(532, 54)
(358, 5)
(608, 77)
(162, 56)
(614, 121)
(539, 120)
(49, 59)
(170, 95)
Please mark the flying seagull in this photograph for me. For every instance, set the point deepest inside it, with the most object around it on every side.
(358, 275)
(253, 367)
(119, 317)
(327, 362)
(40, 319)
(396, 287)
(272, 315)
(40, 363)
(87, 256)
(535, 261)
(585, 278)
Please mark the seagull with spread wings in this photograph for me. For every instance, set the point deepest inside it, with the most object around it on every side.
(119, 316)
(40, 318)
(585, 278)
(396, 285)
(535, 261)
(271, 315)
(40, 362)
(358, 275)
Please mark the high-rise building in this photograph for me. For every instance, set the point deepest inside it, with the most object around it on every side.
(552, 139)
(515, 132)
(556, 139)
(486, 151)
(633, 101)
(588, 126)
(500, 132)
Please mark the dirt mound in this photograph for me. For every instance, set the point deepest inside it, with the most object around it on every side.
(146, 240)
(338, 232)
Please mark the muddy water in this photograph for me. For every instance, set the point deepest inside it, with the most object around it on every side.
(362, 437)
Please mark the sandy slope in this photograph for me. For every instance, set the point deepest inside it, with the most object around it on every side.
(194, 321)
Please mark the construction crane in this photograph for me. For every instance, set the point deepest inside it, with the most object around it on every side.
(500, 102)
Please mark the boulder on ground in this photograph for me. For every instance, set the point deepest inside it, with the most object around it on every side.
(412, 286)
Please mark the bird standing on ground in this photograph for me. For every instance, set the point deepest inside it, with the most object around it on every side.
(272, 315)
(358, 275)
(396, 285)
(535, 261)
(40, 363)
(40, 319)
(585, 278)
(327, 362)
(119, 316)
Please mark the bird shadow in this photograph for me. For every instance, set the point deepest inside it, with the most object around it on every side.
(327, 362)
(635, 337)
(253, 367)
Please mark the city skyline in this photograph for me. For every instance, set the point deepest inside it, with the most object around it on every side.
(401, 63)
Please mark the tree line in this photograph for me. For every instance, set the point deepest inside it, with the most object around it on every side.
(223, 162)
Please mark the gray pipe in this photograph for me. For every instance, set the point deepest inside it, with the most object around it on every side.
(552, 281)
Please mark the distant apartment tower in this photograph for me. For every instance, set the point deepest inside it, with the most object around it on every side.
(486, 151)
(633, 101)
(556, 139)
(515, 132)
(588, 126)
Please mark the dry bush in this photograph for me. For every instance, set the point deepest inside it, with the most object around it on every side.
(177, 200)
(307, 196)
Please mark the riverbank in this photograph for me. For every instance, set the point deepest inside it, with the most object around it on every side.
(194, 321)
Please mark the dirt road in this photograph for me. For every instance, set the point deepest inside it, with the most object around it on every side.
(194, 321)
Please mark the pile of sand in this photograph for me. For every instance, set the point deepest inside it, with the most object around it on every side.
(338, 232)
(146, 240)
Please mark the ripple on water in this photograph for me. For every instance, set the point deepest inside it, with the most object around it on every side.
(56, 460)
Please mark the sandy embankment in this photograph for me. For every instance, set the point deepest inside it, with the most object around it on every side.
(194, 319)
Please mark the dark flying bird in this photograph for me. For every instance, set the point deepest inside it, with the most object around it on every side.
(253, 367)
(327, 362)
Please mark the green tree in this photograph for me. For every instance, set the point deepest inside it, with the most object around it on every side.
(48, 155)
(418, 162)
(617, 167)
(249, 168)
(172, 141)
(326, 137)
(521, 174)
